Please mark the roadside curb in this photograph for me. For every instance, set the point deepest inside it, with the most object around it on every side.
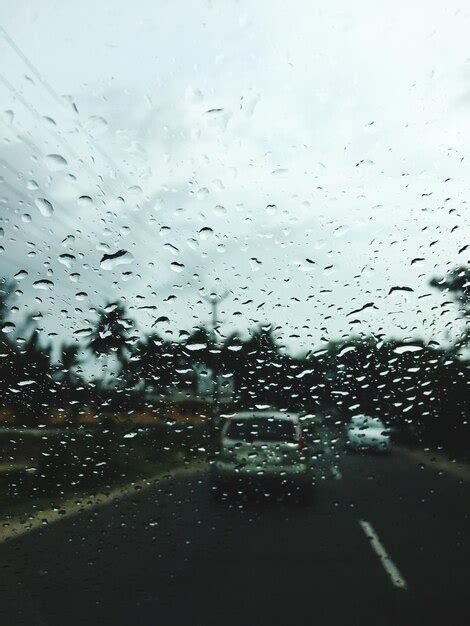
(437, 461)
(17, 526)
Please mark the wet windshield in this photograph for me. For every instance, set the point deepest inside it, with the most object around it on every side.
(246, 210)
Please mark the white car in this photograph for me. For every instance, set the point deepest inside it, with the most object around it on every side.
(367, 433)
(261, 447)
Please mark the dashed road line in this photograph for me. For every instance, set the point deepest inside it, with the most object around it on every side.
(388, 565)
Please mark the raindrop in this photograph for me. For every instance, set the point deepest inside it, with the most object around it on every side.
(20, 275)
(9, 116)
(129, 435)
(83, 332)
(399, 289)
(8, 327)
(44, 206)
(32, 184)
(66, 259)
(177, 267)
(96, 125)
(163, 319)
(202, 193)
(409, 348)
(85, 201)
(205, 233)
(194, 347)
(110, 261)
(55, 162)
(43, 284)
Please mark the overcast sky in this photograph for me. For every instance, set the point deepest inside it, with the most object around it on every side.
(300, 155)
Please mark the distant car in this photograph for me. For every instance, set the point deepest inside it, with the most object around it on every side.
(261, 447)
(367, 433)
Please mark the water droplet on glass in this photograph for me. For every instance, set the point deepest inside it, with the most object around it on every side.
(21, 275)
(44, 206)
(110, 261)
(66, 259)
(177, 267)
(83, 332)
(96, 125)
(85, 201)
(409, 348)
(8, 327)
(43, 284)
(9, 116)
(205, 233)
(202, 193)
(55, 162)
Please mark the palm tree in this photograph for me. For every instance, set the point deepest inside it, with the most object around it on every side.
(457, 283)
(152, 363)
(69, 361)
(111, 332)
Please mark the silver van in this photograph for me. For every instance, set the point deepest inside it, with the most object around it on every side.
(260, 447)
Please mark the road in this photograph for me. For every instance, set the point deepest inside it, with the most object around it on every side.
(384, 542)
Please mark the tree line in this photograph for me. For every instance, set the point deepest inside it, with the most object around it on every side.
(419, 388)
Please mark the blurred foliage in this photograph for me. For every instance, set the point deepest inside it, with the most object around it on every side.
(421, 389)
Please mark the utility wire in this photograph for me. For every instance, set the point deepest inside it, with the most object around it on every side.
(52, 92)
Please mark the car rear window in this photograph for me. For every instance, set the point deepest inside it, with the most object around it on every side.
(261, 429)
(367, 422)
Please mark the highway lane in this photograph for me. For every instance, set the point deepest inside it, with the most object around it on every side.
(171, 554)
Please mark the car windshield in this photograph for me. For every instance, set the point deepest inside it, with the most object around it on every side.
(261, 429)
(234, 312)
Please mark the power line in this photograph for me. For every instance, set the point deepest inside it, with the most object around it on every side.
(51, 91)
(33, 69)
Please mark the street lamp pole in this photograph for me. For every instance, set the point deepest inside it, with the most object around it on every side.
(214, 300)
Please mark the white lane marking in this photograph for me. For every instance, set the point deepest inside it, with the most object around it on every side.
(389, 566)
(336, 473)
(16, 527)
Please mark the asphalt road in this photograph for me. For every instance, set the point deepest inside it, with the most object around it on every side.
(383, 542)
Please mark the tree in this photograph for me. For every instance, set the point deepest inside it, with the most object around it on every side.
(153, 363)
(111, 332)
(457, 283)
(34, 384)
